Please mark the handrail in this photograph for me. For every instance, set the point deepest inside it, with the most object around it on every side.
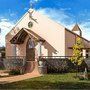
(55, 56)
(46, 57)
(15, 57)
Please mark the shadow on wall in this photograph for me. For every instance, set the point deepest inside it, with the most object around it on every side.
(49, 48)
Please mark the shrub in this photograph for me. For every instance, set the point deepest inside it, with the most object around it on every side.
(73, 68)
(57, 66)
(14, 72)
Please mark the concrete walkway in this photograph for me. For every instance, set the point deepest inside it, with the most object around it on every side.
(19, 77)
(34, 73)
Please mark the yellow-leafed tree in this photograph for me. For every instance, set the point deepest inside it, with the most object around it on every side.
(77, 57)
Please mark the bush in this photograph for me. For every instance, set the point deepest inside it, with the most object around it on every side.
(14, 72)
(73, 68)
(57, 66)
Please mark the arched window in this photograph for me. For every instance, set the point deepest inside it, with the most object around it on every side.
(31, 43)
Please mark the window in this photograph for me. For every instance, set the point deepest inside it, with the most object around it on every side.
(31, 43)
(87, 54)
(17, 51)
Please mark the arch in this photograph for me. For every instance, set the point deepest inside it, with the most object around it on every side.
(30, 50)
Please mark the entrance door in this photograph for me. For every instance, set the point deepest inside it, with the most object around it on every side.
(30, 50)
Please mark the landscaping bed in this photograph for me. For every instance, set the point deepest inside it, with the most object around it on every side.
(9, 73)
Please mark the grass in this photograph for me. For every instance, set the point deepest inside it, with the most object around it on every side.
(50, 81)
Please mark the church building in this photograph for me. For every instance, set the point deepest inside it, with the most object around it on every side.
(37, 35)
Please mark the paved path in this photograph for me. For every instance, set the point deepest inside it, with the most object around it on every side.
(34, 73)
(19, 77)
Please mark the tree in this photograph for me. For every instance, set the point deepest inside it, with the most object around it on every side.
(77, 58)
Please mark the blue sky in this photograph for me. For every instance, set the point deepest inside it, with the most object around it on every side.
(65, 12)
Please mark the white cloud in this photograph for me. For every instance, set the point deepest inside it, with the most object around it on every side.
(5, 25)
(85, 27)
(12, 13)
(34, 1)
(4, 19)
(60, 16)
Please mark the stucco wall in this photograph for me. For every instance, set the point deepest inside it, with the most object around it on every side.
(53, 33)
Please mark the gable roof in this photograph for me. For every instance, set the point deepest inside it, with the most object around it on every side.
(34, 12)
(76, 28)
(77, 35)
(21, 35)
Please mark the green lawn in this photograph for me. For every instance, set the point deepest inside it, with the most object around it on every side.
(50, 81)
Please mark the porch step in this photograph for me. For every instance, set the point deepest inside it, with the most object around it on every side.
(4, 73)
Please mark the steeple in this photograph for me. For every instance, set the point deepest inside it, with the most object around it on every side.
(76, 29)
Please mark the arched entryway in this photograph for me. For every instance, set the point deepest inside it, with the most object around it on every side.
(30, 55)
(30, 50)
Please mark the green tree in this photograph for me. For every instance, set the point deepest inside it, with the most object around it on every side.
(77, 58)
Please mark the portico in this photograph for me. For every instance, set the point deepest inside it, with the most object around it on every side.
(28, 43)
